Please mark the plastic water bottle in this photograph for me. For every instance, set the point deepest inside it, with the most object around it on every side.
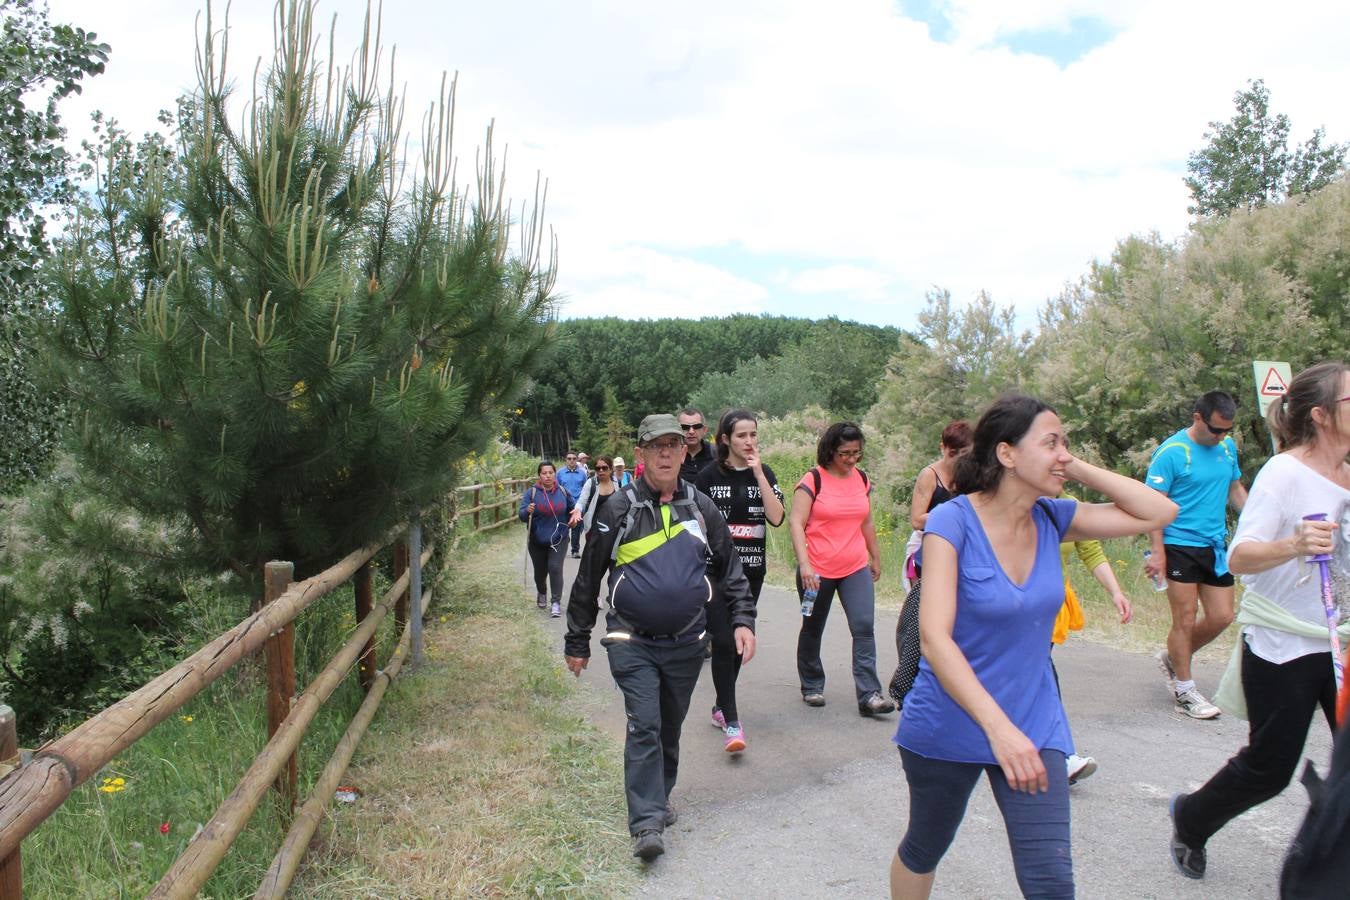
(1159, 583)
(808, 601)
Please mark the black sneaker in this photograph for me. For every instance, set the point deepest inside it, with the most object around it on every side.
(875, 705)
(648, 845)
(671, 815)
(1190, 861)
(541, 601)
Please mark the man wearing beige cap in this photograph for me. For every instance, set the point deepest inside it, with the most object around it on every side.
(622, 477)
(666, 548)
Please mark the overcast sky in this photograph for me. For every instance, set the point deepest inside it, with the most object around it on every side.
(802, 157)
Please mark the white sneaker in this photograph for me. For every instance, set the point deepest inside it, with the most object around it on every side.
(1194, 704)
(1079, 767)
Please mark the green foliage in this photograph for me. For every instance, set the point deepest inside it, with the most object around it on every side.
(963, 359)
(40, 64)
(262, 334)
(657, 365)
(87, 600)
(1125, 353)
(1246, 161)
(769, 387)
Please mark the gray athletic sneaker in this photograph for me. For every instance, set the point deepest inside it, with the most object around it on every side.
(1194, 704)
(1165, 663)
(1190, 861)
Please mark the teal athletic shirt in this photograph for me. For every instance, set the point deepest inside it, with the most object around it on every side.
(1197, 480)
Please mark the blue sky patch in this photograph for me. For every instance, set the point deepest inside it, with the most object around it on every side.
(1063, 46)
(932, 13)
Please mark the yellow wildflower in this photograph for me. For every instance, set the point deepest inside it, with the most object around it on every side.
(113, 785)
(185, 719)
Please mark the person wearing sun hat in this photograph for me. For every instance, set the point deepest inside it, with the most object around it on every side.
(665, 548)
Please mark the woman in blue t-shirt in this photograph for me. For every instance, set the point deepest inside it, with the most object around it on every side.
(985, 701)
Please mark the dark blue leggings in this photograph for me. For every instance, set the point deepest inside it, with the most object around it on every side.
(1037, 824)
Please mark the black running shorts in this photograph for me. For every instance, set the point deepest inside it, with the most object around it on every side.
(1194, 565)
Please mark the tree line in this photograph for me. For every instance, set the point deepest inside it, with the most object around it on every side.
(610, 370)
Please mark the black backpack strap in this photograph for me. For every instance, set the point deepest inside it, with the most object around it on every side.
(815, 478)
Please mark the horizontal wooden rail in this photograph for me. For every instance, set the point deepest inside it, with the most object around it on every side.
(493, 525)
(287, 861)
(30, 794)
(205, 851)
(507, 482)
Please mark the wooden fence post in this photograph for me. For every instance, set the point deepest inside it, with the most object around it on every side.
(365, 599)
(280, 650)
(401, 566)
(415, 610)
(477, 502)
(11, 867)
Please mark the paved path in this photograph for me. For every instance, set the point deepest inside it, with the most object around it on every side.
(816, 805)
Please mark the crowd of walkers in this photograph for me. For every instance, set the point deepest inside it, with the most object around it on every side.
(678, 551)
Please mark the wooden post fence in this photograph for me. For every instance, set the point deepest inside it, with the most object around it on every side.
(31, 793)
(364, 591)
(280, 650)
(401, 566)
(11, 867)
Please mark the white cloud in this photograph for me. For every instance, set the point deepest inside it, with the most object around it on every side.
(838, 135)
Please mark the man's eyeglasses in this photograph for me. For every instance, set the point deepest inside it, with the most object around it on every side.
(1218, 432)
(571, 459)
(665, 446)
(687, 426)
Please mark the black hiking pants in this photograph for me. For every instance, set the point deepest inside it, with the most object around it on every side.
(657, 681)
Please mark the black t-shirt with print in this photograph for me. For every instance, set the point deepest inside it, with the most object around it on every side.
(736, 494)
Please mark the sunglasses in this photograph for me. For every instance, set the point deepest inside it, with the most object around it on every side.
(602, 468)
(687, 427)
(1218, 432)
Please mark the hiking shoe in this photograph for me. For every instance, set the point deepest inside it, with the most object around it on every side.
(671, 815)
(1165, 663)
(719, 721)
(1190, 861)
(735, 742)
(875, 705)
(1194, 704)
(648, 845)
(541, 601)
(555, 611)
(814, 699)
(1079, 767)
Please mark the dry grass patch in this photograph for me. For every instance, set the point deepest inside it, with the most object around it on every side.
(479, 779)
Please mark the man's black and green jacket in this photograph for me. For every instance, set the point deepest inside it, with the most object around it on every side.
(662, 572)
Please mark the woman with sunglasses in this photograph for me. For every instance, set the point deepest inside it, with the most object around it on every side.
(1281, 668)
(746, 492)
(545, 507)
(594, 494)
(837, 553)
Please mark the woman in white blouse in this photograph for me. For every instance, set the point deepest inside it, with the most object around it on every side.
(1284, 651)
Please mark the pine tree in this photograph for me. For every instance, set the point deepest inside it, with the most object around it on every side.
(266, 333)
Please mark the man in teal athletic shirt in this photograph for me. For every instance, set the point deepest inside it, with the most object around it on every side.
(1197, 468)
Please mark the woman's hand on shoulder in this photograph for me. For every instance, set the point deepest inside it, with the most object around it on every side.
(1019, 759)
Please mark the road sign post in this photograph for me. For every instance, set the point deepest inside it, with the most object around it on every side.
(1272, 381)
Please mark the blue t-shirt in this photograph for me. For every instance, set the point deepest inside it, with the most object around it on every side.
(572, 479)
(1004, 631)
(1196, 478)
